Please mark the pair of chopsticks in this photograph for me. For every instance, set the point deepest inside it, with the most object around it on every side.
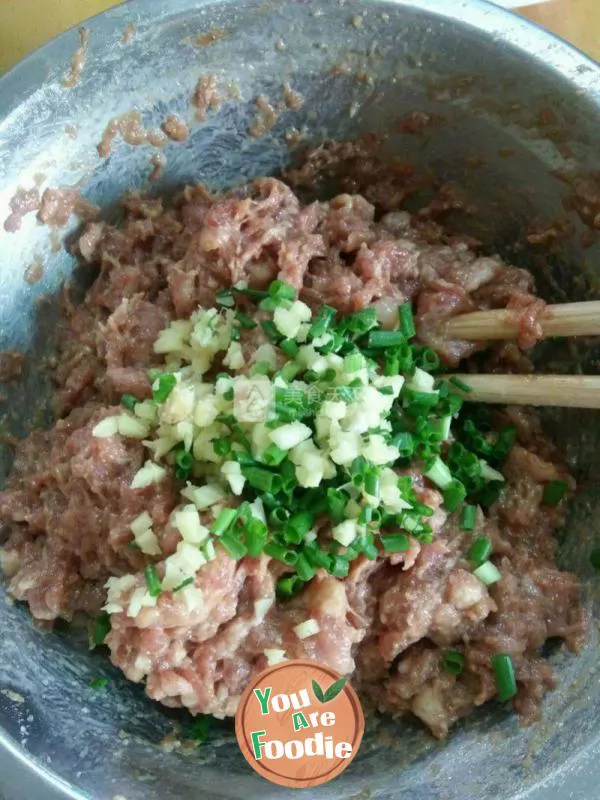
(568, 319)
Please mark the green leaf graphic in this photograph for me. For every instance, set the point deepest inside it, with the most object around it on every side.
(335, 688)
(318, 692)
(331, 693)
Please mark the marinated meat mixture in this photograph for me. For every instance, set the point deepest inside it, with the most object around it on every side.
(94, 512)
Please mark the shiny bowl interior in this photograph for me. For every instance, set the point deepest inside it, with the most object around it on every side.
(516, 117)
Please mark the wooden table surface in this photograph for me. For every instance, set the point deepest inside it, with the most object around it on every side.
(24, 24)
(578, 21)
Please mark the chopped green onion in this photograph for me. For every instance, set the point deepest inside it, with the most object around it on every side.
(262, 479)
(504, 443)
(222, 446)
(183, 584)
(370, 551)
(290, 347)
(438, 473)
(243, 458)
(359, 467)
(273, 455)
(428, 360)
(162, 386)
(554, 492)
(269, 500)
(253, 294)
(322, 321)
(184, 462)
(395, 542)
(405, 443)
(336, 504)
(269, 328)
(339, 566)
(244, 514)
(391, 365)
(101, 628)
(289, 586)
(271, 303)
(345, 393)
(129, 401)
(422, 508)
(488, 573)
(353, 362)
(98, 683)
(454, 495)
(245, 321)
(405, 486)
(304, 568)
(290, 370)
(335, 342)
(405, 357)
(418, 403)
(260, 368)
(310, 376)
(480, 551)
(360, 322)
(233, 546)
(279, 515)
(366, 515)
(464, 387)
(302, 522)
(282, 290)
(256, 537)
(314, 500)
(281, 553)
(224, 521)
(225, 298)
(285, 413)
(317, 557)
(380, 339)
(504, 673)
(468, 517)
(291, 535)
(371, 483)
(490, 474)
(152, 580)
(407, 323)
(208, 550)
(454, 662)
(443, 425)
(287, 471)
(451, 404)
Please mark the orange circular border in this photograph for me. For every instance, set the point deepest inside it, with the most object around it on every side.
(269, 772)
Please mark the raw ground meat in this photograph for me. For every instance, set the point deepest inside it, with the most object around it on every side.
(68, 503)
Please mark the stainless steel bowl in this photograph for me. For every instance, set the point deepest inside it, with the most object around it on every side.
(514, 108)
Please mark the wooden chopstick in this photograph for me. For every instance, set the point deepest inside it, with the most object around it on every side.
(569, 391)
(567, 319)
